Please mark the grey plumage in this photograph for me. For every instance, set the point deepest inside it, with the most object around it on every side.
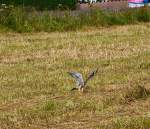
(80, 83)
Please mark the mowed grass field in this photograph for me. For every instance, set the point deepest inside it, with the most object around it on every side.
(35, 87)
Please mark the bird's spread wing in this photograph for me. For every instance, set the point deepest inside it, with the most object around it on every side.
(91, 75)
(78, 77)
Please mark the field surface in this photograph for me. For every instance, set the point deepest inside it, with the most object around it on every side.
(35, 87)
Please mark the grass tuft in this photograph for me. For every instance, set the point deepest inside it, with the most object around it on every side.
(136, 92)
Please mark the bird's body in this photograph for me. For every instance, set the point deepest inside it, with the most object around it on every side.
(79, 80)
(80, 83)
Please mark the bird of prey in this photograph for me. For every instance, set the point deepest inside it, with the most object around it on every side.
(80, 83)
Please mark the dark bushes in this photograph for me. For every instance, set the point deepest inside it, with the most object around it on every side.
(42, 4)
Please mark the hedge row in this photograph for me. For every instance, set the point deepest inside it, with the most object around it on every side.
(42, 4)
(21, 20)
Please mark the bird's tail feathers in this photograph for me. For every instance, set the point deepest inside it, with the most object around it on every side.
(74, 89)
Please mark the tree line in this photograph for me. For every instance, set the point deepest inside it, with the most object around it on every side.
(42, 4)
